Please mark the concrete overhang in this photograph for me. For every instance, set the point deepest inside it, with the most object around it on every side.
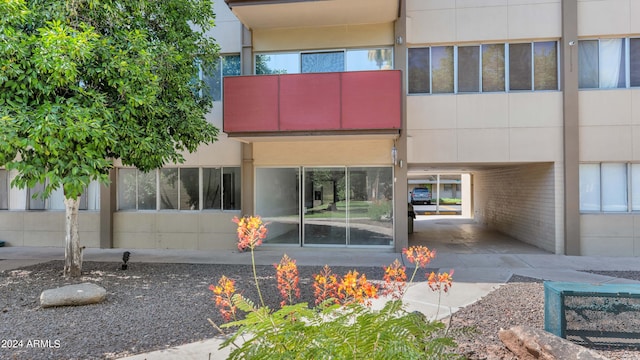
(270, 14)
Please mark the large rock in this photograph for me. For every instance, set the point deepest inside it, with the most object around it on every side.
(72, 295)
(530, 343)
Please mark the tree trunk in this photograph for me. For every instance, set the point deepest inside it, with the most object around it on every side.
(72, 250)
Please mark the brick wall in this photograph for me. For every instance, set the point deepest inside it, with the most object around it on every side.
(519, 201)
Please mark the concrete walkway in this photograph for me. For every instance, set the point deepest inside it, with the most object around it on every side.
(478, 271)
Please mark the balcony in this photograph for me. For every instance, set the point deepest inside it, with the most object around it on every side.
(268, 14)
(341, 103)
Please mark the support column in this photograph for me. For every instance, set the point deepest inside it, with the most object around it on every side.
(569, 76)
(247, 149)
(401, 232)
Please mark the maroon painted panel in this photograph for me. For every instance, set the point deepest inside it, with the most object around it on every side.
(310, 102)
(250, 103)
(364, 100)
(371, 100)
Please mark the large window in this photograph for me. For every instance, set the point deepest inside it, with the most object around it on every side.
(483, 68)
(324, 61)
(179, 189)
(227, 65)
(609, 187)
(29, 199)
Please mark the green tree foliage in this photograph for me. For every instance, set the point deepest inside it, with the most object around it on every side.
(84, 82)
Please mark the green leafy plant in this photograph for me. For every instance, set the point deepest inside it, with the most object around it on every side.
(85, 83)
(342, 324)
(380, 210)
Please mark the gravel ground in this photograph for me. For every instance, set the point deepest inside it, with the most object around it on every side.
(156, 306)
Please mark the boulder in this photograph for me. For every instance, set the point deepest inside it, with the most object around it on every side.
(72, 295)
(530, 343)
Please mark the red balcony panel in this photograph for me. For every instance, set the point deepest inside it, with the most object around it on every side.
(270, 105)
(371, 100)
(250, 104)
(310, 102)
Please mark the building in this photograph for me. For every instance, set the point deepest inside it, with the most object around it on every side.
(330, 108)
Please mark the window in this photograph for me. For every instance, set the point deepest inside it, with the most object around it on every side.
(469, 69)
(545, 65)
(601, 63)
(493, 67)
(324, 61)
(227, 65)
(221, 186)
(419, 71)
(605, 187)
(369, 59)
(4, 189)
(231, 188)
(136, 190)
(520, 67)
(442, 69)
(267, 64)
(614, 187)
(635, 187)
(634, 61)
(542, 73)
(23, 199)
(179, 189)
(483, 68)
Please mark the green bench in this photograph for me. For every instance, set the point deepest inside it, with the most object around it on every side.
(593, 314)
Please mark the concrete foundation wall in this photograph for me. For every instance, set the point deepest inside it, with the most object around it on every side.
(519, 201)
(610, 234)
(173, 230)
(46, 228)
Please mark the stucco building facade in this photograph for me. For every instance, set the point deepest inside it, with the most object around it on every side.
(330, 108)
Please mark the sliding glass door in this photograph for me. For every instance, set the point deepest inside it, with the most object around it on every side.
(325, 215)
(278, 202)
(336, 206)
(370, 206)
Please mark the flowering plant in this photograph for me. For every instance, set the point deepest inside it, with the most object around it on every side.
(342, 324)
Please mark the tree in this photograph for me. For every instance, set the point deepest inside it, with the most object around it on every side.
(85, 82)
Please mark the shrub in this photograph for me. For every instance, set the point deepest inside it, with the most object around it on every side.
(342, 324)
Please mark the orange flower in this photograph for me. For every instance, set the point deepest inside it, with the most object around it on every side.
(223, 293)
(419, 255)
(287, 275)
(440, 281)
(395, 280)
(251, 231)
(325, 285)
(354, 289)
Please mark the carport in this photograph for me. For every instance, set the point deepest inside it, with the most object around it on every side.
(505, 208)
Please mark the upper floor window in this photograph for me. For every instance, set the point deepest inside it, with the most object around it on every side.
(179, 189)
(227, 65)
(601, 63)
(324, 61)
(609, 63)
(483, 68)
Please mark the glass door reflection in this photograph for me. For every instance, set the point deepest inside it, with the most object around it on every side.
(278, 202)
(324, 217)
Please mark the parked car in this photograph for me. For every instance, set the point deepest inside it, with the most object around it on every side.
(421, 196)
